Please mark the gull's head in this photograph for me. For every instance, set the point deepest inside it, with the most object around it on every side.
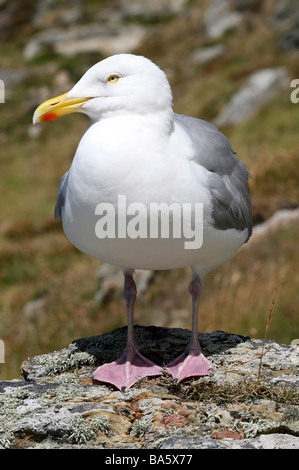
(119, 84)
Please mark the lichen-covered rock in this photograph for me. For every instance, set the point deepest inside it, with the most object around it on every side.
(271, 441)
(56, 405)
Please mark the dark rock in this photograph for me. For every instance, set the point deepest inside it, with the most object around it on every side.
(289, 41)
(286, 21)
(258, 90)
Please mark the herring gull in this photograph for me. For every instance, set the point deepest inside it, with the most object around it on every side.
(139, 155)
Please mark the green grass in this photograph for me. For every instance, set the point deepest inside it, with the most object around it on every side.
(38, 262)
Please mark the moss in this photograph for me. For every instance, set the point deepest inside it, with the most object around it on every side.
(84, 430)
(140, 427)
(101, 423)
(58, 363)
(6, 439)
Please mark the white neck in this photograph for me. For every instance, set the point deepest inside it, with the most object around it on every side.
(158, 122)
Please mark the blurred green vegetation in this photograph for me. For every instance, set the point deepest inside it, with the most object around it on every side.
(38, 263)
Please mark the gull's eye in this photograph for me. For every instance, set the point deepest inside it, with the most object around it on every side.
(113, 78)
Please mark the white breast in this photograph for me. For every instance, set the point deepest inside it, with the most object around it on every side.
(103, 170)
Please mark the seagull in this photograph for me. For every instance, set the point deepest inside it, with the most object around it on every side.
(139, 152)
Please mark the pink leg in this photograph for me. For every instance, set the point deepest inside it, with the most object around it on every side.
(192, 363)
(131, 366)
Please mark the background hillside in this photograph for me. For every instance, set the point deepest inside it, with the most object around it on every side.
(230, 62)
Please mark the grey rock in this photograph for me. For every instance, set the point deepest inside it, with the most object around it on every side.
(258, 90)
(286, 21)
(219, 18)
(289, 41)
(111, 282)
(152, 9)
(159, 344)
(271, 441)
(278, 221)
(12, 77)
(49, 11)
(286, 15)
(207, 54)
(56, 405)
(49, 37)
(93, 39)
(34, 308)
(82, 39)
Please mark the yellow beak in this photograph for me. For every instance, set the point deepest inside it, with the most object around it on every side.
(56, 107)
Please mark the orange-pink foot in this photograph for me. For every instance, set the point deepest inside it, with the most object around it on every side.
(126, 370)
(192, 363)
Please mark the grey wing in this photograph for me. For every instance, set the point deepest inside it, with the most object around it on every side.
(61, 195)
(227, 176)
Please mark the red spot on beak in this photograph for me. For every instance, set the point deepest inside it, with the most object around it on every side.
(48, 117)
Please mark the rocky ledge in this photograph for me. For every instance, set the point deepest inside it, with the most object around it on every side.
(251, 401)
